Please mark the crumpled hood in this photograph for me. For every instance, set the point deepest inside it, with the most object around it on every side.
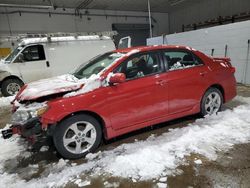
(50, 86)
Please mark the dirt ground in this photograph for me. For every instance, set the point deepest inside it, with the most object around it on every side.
(231, 169)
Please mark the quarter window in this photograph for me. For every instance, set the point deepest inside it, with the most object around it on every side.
(33, 53)
(181, 60)
(139, 66)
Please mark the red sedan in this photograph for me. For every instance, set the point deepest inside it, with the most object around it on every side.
(119, 92)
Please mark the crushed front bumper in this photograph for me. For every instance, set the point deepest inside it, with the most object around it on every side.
(29, 129)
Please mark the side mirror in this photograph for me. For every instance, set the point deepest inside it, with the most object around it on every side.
(117, 78)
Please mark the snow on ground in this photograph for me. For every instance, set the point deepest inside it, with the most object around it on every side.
(5, 101)
(198, 161)
(242, 99)
(9, 150)
(155, 158)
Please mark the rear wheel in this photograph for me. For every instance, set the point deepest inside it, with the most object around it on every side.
(11, 87)
(211, 102)
(77, 136)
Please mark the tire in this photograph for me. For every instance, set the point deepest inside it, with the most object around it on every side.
(68, 141)
(11, 86)
(211, 102)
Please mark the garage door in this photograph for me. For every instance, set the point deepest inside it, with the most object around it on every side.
(138, 33)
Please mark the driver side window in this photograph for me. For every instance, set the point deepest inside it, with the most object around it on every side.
(139, 66)
(33, 53)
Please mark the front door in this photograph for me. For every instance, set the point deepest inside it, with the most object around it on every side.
(34, 65)
(143, 96)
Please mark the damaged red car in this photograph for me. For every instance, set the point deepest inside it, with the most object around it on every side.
(119, 92)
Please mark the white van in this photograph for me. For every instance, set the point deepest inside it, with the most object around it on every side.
(44, 57)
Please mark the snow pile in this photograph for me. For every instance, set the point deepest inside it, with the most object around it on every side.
(5, 101)
(111, 185)
(162, 185)
(163, 154)
(198, 161)
(160, 156)
(242, 99)
(81, 183)
(179, 65)
(9, 150)
(89, 84)
(163, 179)
(155, 158)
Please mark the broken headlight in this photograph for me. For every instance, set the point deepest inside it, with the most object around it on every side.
(23, 115)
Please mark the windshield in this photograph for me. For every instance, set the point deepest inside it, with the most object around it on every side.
(96, 65)
(13, 54)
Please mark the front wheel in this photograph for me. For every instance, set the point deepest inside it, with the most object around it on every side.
(211, 102)
(11, 87)
(77, 136)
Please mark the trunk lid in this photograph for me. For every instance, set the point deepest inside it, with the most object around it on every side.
(225, 62)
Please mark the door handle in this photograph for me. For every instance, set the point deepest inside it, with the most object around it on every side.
(47, 64)
(203, 73)
(161, 82)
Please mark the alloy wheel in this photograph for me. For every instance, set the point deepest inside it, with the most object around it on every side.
(213, 103)
(79, 137)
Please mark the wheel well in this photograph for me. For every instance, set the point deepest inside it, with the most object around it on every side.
(219, 87)
(93, 114)
(10, 77)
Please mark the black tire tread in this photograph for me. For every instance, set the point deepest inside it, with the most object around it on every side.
(6, 82)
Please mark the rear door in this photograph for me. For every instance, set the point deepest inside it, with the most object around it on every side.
(143, 96)
(34, 65)
(187, 79)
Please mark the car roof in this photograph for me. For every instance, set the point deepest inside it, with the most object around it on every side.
(150, 48)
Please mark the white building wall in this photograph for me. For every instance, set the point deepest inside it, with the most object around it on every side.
(235, 36)
(203, 10)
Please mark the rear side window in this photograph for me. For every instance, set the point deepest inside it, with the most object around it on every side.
(140, 66)
(34, 53)
(181, 60)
